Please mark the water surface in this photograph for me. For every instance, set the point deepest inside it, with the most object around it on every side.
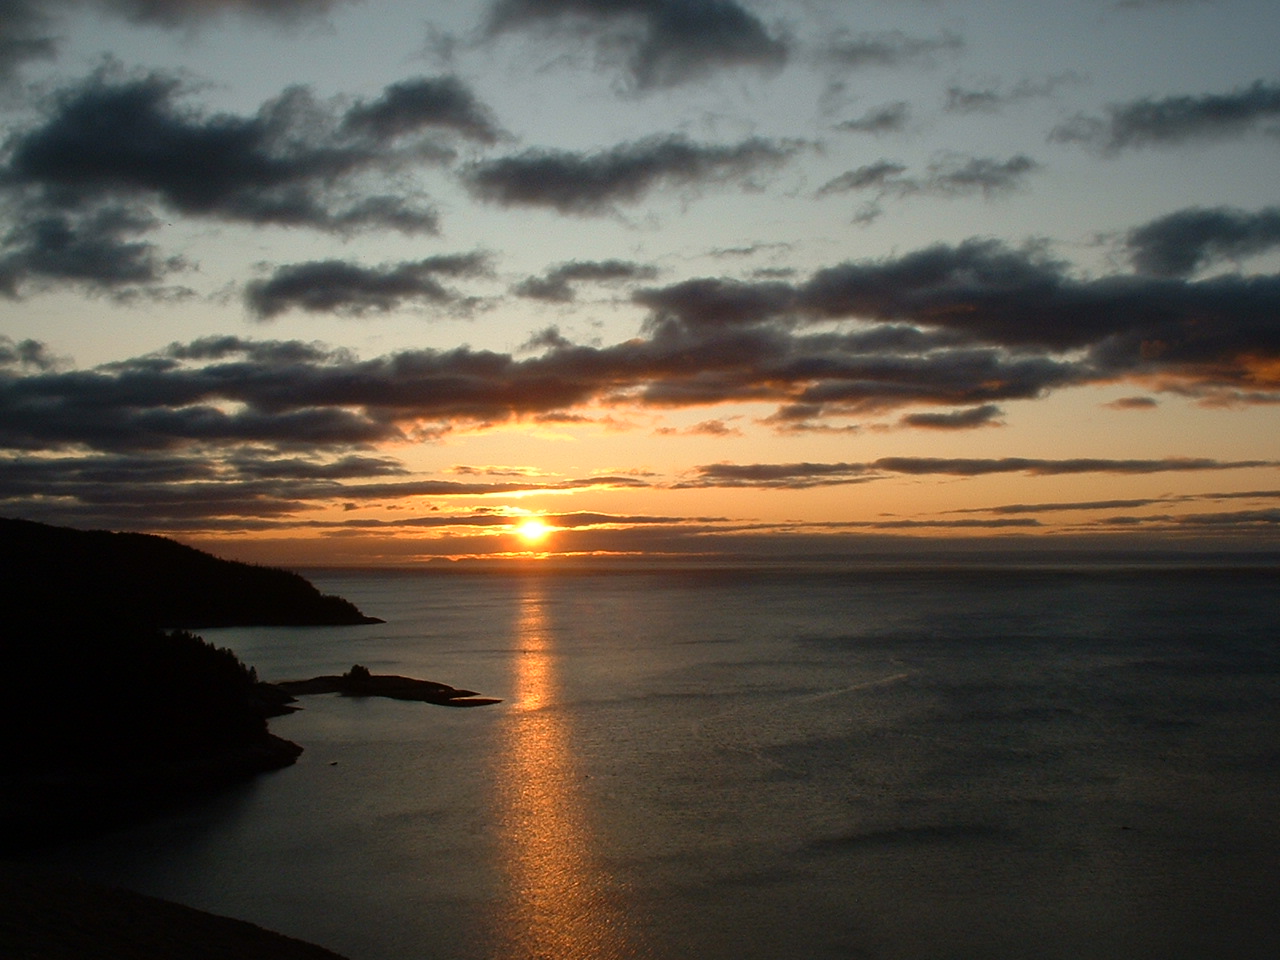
(998, 763)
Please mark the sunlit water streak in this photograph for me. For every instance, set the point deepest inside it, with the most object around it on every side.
(562, 906)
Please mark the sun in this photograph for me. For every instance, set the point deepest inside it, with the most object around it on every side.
(533, 531)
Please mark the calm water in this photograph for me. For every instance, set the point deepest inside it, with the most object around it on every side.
(912, 764)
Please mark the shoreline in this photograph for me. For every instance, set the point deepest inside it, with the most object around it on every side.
(43, 808)
(53, 916)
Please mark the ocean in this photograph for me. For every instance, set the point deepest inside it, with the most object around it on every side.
(1001, 762)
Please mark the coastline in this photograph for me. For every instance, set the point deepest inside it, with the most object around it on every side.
(42, 808)
(46, 916)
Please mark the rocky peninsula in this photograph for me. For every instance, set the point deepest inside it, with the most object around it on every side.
(359, 682)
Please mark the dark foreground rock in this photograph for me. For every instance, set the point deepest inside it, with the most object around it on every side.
(359, 682)
(48, 917)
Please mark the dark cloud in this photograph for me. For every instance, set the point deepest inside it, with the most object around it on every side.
(1090, 505)
(1019, 313)
(804, 475)
(960, 100)
(24, 36)
(27, 27)
(890, 49)
(972, 467)
(709, 303)
(590, 184)
(993, 99)
(336, 286)
(28, 354)
(959, 176)
(424, 103)
(984, 416)
(245, 489)
(663, 42)
(948, 176)
(94, 248)
(176, 13)
(883, 176)
(116, 139)
(1180, 243)
(1134, 403)
(1169, 121)
(968, 326)
(556, 284)
(1218, 329)
(889, 118)
(1123, 504)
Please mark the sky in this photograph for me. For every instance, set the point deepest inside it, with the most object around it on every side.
(331, 282)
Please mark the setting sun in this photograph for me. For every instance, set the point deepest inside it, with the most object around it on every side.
(533, 531)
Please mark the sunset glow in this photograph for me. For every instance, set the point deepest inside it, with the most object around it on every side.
(683, 279)
(533, 531)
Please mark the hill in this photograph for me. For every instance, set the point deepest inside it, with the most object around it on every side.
(107, 713)
(83, 576)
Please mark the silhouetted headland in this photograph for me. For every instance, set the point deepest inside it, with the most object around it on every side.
(106, 713)
(79, 575)
(359, 682)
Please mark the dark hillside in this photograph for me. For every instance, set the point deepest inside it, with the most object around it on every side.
(107, 714)
(76, 575)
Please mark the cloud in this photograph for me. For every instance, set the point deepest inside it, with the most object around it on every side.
(176, 13)
(94, 248)
(799, 476)
(592, 184)
(556, 284)
(1134, 403)
(983, 416)
(1181, 243)
(947, 176)
(1123, 504)
(707, 428)
(336, 286)
(243, 490)
(884, 176)
(424, 103)
(713, 302)
(993, 100)
(113, 146)
(27, 26)
(28, 354)
(966, 326)
(891, 49)
(663, 43)
(889, 118)
(1019, 299)
(24, 36)
(1171, 121)
(959, 175)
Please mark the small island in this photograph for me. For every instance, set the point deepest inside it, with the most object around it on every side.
(359, 682)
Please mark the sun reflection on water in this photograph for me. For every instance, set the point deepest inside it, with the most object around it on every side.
(562, 905)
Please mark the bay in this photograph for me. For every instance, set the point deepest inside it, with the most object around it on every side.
(904, 763)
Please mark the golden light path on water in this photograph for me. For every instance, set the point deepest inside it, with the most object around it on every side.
(562, 905)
